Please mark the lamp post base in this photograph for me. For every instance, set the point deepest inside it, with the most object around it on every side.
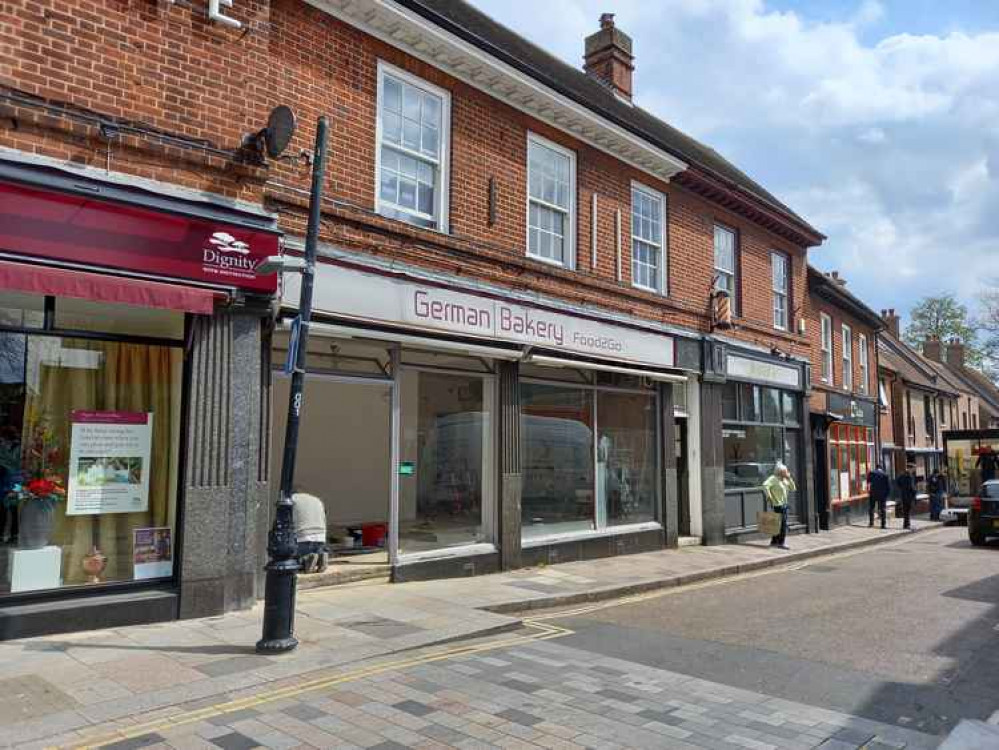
(277, 645)
(279, 605)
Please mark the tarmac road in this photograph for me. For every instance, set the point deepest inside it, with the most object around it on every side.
(905, 633)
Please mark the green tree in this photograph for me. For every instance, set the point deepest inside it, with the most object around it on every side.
(945, 318)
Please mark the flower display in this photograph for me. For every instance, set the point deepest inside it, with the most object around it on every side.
(39, 478)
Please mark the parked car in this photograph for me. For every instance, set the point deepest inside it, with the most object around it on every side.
(983, 516)
(956, 509)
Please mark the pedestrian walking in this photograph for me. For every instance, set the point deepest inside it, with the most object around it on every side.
(777, 487)
(906, 484)
(937, 486)
(878, 489)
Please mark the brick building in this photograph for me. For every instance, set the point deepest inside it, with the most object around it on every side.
(844, 400)
(921, 399)
(549, 325)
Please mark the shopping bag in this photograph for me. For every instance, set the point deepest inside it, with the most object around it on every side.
(768, 522)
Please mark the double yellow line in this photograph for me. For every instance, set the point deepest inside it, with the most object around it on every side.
(540, 631)
(540, 626)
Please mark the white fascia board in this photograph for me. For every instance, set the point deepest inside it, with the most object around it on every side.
(420, 38)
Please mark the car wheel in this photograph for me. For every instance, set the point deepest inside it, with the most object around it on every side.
(977, 538)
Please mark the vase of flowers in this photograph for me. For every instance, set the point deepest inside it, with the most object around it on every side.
(37, 490)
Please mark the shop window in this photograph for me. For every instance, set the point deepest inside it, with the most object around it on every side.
(749, 396)
(564, 374)
(730, 402)
(751, 452)
(89, 460)
(557, 433)
(792, 409)
(626, 458)
(851, 458)
(772, 408)
(680, 399)
(123, 320)
(589, 458)
(445, 360)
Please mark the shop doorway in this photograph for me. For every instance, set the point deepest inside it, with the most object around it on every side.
(682, 477)
(821, 483)
(344, 458)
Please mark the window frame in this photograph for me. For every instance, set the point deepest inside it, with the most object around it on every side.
(734, 273)
(663, 272)
(846, 344)
(777, 255)
(828, 372)
(864, 362)
(443, 186)
(569, 239)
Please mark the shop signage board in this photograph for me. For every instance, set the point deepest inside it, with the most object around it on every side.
(787, 376)
(80, 229)
(109, 462)
(362, 296)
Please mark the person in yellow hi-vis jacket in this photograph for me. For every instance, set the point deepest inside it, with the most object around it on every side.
(776, 488)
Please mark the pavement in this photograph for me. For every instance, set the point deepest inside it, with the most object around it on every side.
(84, 688)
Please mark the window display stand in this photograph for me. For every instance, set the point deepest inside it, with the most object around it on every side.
(33, 569)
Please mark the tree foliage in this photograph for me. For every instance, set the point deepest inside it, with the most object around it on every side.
(946, 318)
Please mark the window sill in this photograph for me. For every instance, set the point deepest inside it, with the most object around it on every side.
(549, 262)
(577, 536)
(466, 550)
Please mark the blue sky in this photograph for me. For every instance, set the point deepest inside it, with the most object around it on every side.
(877, 120)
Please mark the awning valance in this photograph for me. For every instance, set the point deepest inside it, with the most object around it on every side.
(66, 282)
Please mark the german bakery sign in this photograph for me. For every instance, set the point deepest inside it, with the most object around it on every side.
(363, 296)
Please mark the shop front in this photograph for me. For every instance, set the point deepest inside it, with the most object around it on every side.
(847, 438)
(452, 431)
(119, 343)
(760, 425)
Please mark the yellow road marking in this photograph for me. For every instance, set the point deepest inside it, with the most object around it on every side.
(543, 630)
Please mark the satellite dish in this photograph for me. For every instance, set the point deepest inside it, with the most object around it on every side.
(280, 128)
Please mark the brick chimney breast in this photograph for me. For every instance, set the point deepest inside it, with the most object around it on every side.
(892, 322)
(955, 353)
(607, 57)
(933, 349)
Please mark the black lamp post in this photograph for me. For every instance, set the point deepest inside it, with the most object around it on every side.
(282, 546)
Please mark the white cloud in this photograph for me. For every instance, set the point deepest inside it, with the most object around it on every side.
(890, 147)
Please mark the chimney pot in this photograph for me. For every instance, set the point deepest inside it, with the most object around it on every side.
(892, 322)
(607, 57)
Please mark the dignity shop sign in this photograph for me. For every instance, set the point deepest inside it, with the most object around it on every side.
(362, 296)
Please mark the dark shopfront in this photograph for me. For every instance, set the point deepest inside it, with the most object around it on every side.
(760, 415)
(131, 429)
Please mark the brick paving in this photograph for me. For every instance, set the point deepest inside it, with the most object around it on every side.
(69, 683)
(535, 695)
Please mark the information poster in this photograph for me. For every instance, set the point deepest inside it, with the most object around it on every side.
(109, 462)
(152, 553)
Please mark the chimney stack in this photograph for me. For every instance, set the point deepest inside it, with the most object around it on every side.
(607, 57)
(933, 348)
(955, 353)
(836, 279)
(892, 322)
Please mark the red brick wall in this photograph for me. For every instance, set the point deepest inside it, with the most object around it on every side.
(814, 309)
(167, 67)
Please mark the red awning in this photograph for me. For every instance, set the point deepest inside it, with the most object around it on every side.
(65, 282)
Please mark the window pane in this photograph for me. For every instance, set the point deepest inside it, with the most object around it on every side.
(110, 474)
(771, 404)
(445, 421)
(392, 128)
(724, 250)
(393, 95)
(791, 412)
(431, 111)
(730, 402)
(22, 310)
(558, 446)
(411, 135)
(106, 317)
(627, 486)
(751, 452)
(411, 102)
(751, 411)
(549, 175)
